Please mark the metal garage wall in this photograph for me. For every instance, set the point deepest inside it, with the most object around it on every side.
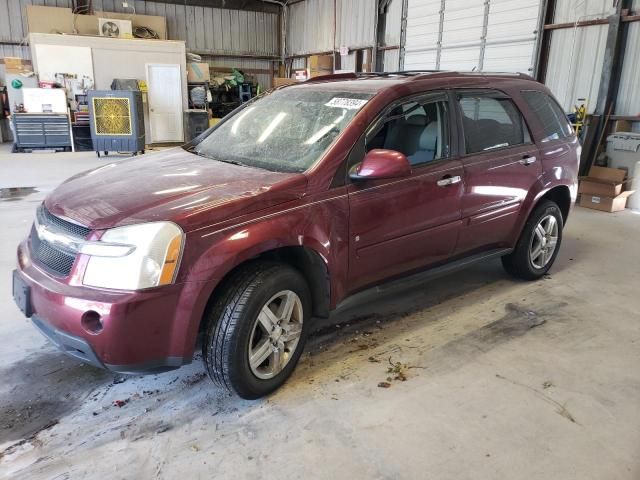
(392, 35)
(311, 25)
(422, 43)
(574, 10)
(628, 102)
(356, 23)
(471, 34)
(575, 64)
(511, 35)
(576, 57)
(204, 29)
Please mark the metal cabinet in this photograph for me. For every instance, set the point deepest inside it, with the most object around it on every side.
(41, 130)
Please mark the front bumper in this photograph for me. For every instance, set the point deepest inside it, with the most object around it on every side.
(142, 332)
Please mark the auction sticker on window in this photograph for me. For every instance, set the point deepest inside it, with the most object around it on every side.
(348, 103)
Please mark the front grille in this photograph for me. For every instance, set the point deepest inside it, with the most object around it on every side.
(46, 255)
(46, 218)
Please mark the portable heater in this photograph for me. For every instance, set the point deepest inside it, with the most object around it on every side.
(117, 121)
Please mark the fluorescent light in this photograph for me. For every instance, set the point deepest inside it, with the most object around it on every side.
(272, 126)
(236, 123)
(319, 134)
(324, 130)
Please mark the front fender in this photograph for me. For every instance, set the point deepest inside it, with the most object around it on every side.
(320, 225)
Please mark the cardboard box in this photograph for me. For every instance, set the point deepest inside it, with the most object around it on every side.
(318, 65)
(281, 81)
(16, 65)
(621, 126)
(603, 189)
(198, 72)
(602, 181)
(606, 204)
(320, 62)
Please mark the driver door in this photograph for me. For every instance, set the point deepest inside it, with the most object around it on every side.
(403, 224)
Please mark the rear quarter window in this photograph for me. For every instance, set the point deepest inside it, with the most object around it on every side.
(552, 119)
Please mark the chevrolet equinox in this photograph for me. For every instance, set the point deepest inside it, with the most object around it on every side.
(293, 202)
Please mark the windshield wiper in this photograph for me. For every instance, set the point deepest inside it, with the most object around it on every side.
(200, 154)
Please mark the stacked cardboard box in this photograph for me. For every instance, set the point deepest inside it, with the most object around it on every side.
(320, 65)
(603, 189)
(198, 72)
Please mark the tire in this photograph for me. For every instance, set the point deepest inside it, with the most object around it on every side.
(234, 329)
(522, 262)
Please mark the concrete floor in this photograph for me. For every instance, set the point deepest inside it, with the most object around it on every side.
(504, 379)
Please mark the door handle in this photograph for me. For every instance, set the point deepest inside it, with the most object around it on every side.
(449, 180)
(527, 160)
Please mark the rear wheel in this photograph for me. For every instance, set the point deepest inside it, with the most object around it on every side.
(538, 244)
(257, 329)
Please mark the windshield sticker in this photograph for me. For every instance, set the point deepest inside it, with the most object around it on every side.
(348, 103)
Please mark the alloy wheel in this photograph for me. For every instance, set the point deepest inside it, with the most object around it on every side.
(275, 334)
(543, 241)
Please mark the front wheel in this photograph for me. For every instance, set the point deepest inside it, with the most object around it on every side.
(538, 244)
(257, 328)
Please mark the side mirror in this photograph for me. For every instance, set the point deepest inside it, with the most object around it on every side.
(381, 163)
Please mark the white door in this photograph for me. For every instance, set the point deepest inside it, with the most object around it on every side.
(165, 102)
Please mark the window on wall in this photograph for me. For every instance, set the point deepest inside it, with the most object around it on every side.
(491, 122)
(552, 119)
(419, 130)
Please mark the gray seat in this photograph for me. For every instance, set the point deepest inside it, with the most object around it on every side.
(404, 134)
(427, 145)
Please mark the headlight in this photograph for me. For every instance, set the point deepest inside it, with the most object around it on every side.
(152, 259)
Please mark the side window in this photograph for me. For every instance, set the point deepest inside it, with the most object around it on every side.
(490, 123)
(420, 130)
(553, 120)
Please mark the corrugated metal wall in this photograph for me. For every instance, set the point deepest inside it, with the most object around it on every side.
(628, 102)
(392, 34)
(311, 25)
(572, 10)
(471, 34)
(575, 64)
(204, 29)
(577, 54)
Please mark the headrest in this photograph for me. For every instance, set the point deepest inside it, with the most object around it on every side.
(419, 120)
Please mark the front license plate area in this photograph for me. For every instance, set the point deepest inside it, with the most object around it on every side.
(22, 294)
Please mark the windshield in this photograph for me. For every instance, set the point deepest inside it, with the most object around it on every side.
(285, 131)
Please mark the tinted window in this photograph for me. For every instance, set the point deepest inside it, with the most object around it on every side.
(553, 120)
(417, 129)
(491, 123)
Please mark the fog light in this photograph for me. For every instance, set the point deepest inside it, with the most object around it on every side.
(91, 322)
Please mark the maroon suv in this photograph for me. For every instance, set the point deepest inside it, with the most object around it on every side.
(289, 205)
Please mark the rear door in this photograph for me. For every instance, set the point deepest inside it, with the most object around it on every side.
(398, 225)
(501, 164)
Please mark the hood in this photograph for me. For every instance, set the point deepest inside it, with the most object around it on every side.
(175, 185)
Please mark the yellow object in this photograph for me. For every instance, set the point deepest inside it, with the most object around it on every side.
(142, 85)
(171, 261)
(112, 116)
(213, 121)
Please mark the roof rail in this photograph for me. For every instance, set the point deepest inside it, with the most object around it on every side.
(414, 74)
